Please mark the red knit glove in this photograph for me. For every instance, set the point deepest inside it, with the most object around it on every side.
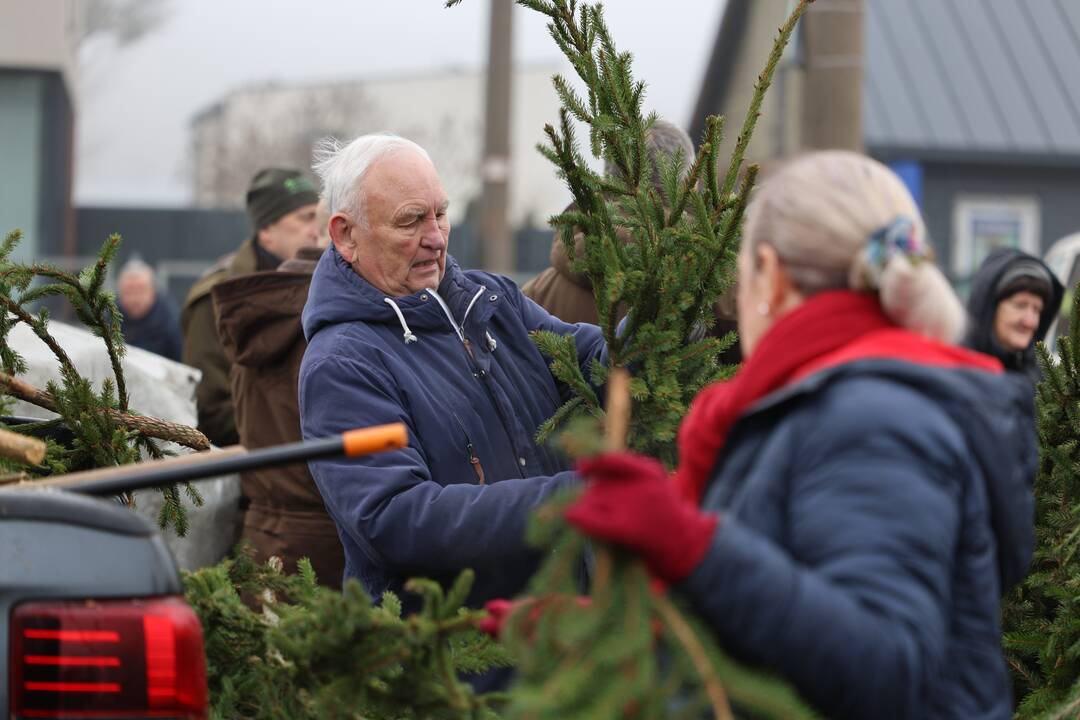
(629, 501)
(499, 610)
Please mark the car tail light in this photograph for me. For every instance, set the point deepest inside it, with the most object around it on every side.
(107, 659)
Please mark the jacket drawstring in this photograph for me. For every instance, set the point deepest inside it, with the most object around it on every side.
(408, 334)
(459, 329)
(449, 316)
(471, 303)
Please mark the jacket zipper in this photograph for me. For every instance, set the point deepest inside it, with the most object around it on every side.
(476, 466)
(478, 373)
(470, 450)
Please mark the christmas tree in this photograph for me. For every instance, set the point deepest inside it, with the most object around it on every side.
(278, 646)
(684, 238)
(296, 650)
(1041, 617)
(104, 430)
(630, 652)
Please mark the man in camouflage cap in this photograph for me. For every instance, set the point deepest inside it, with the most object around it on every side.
(282, 206)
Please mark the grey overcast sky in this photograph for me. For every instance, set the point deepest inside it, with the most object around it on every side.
(135, 102)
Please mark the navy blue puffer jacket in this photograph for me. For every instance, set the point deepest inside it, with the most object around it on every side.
(460, 494)
(871, 518)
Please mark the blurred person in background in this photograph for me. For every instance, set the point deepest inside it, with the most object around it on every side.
(848, 509)
(568, 295)
(258, 322)
(1014, 298)
(149, 319)
(282, 206)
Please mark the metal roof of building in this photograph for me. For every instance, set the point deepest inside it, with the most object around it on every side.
(962, 78)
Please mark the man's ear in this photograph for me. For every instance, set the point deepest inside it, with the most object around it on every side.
(339, 228)
(263, 238)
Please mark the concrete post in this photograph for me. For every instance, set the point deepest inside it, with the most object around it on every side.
(495, 236)
(832, 36)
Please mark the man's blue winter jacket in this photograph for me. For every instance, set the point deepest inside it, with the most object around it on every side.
(871, 518)
(458, 367)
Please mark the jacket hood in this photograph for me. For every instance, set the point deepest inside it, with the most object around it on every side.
(339, 295)
(995, 413)
(304, 261)
(982, 306)
(258, 315)
(560, 259)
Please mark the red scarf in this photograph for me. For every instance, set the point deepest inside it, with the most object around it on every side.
(830, 329)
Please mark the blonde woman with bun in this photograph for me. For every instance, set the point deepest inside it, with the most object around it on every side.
(850, 507)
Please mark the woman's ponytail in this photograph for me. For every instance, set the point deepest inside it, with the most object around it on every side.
(841, 220)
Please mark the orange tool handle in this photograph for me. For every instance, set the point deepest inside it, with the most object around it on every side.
(364, 441)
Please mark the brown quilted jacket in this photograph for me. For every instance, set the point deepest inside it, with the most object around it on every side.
(258, 321)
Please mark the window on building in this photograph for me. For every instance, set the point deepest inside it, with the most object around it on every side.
(983, 223)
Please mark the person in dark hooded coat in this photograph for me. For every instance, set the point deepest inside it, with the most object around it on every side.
(148, 318)
(1014, 298)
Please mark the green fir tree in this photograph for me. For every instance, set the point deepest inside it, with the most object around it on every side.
(277, 646)
(1041, 617)
(298, 651)
(684, 240)
(105, 431)
(631, 652)
(280, 647)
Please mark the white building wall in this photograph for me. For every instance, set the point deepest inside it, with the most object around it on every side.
(37, 38)
(39, 35)
(442, 112)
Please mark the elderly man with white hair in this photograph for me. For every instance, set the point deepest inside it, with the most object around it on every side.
(398, 332)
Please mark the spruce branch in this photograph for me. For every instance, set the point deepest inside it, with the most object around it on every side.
(642, 249)
(103, 430)
(304, 652)
(1041, 616)
(713, 136)
(666, 254)
(67, 367)
(681, 629)
(148, 426)
(729, 241)
(106, 315)
(691, 181)
(96, 309)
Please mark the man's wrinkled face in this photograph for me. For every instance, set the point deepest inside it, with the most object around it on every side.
(292, 231)
(401, 248)
(1016, 320)
(136, 294)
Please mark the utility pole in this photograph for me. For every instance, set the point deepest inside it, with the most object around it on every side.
(495, 237)
(832, 36)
